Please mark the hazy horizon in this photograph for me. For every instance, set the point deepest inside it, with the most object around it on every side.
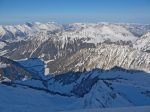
(71, 11)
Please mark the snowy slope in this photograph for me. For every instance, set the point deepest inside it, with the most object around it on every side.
(89, 57)
(27, 31)
(22, 70)
(103, 56)
(116, 87)
(143, 43)
(51, 41)
(125, 109)
(33, 65)
(55, 43)
(2, 31)
(2, 44)
(137, 29)
(97, 33)
(98, 88)
(20, 99)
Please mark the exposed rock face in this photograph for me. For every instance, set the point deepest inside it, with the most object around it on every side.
(103, 56)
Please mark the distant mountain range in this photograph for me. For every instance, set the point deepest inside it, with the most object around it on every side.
(124, 44)
(59, 67)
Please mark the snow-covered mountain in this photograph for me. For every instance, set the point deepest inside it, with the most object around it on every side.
(143, 43)
(74, 66)
(2, 44)
(137, 29)
(104, 56)
(98, 88)
(51, 40)
(54, 43)
(22, 70)
(27, 31)
(97, 33)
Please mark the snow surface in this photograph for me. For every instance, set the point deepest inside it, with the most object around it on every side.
(114, 88)
(29, 100)
(3, 65)
(2, 44)
(125, 109)
(99, 33)
(2, 31)
(34, 65)
(143, 43)
(96, 32)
